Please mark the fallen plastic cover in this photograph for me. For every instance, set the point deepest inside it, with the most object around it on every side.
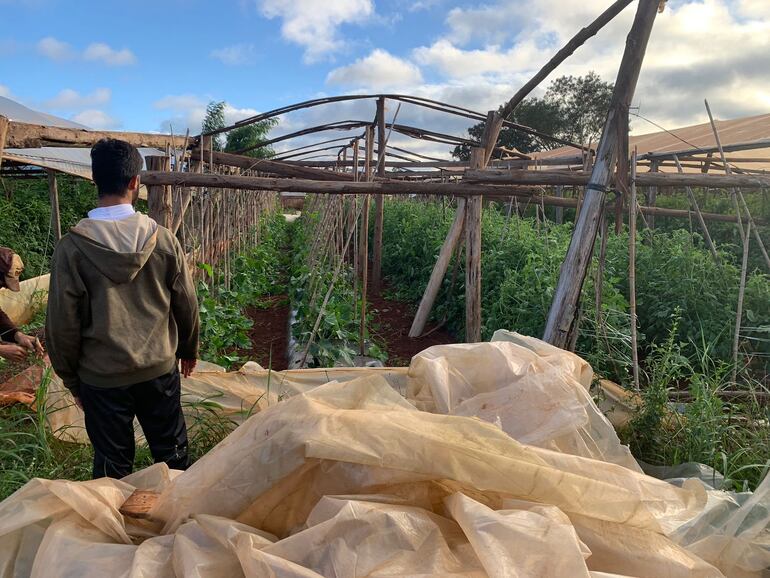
(495, 462)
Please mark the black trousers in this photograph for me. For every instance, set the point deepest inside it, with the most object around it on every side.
(110, 412)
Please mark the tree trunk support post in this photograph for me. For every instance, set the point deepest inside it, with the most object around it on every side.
(53, 193)
(561, 324)
(379, 208)
(473, 259)
(159, 202)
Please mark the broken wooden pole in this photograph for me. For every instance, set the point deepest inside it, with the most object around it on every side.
(561, 325)
(159, 202)
(473, 213)
(53, 195)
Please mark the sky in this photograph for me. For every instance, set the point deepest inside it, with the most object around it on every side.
(151, 66)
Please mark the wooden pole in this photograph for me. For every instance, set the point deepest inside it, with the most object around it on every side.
(439, 270)
(632, 272)
(559, 215)
(561, 317)
(53, 194)
(739, 311)
(3, 134)
(652, 195)
(473, 260)
(379, 208)
(728, 170)
(622, 178)
(704, 229)
(364, 258)
(574, 43)
(159, 203)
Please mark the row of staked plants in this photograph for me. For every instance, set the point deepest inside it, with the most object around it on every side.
(336, 341)
(256, 274)
(686, 306)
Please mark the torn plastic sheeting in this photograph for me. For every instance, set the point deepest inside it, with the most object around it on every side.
(351, 477)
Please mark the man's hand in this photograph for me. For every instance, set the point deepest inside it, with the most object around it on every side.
(188, 365)
(12, 352)
(31, 344)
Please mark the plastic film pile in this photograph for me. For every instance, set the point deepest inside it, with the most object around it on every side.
(483, 460)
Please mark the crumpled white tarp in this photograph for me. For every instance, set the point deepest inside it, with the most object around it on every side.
(350, 478)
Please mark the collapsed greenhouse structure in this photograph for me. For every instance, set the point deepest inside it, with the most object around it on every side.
(480, 458)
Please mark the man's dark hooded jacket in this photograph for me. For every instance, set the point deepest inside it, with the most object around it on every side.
(122, 306)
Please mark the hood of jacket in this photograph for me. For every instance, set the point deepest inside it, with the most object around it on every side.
(118, 249)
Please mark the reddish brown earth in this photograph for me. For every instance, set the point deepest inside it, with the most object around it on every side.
(392, 321)
(269, 332)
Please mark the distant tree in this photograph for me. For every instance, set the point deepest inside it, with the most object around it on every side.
(252, 134)
(573, 108)
(239, 138)
(214, 120)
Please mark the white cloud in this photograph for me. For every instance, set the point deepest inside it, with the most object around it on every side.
(69, 99)
(5, 91)
(235, 55)
(314, 25)
(378, 71)
(55, 49)
(98, 51)
(499, 43)
(96, 119)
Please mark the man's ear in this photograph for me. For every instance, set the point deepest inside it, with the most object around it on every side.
(133, 184)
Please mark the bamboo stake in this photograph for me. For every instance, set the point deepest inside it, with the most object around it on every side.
(728, 170)
(365, 240)
(473, 215)
(53, 193)
(632, 271)
(322, 310)
(739, 312)
(702, 223)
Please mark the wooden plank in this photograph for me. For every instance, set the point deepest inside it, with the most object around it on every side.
(139, 504)
(159, 202)
(632, 273)
(439, 271)
(473, 258)
(561, 324)
(53, 195)
(25, 135)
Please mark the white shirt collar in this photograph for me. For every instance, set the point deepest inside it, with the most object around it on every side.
(113, 213)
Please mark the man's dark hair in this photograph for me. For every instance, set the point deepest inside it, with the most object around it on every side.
(113, 164)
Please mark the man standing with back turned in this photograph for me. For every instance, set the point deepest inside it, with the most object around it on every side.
(122, 310)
